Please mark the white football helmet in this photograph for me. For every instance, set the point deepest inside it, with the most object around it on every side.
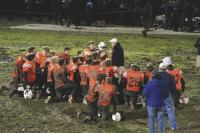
(141, 101)
(184, 99)
(102, 46)
(28, 94)
(116, 116)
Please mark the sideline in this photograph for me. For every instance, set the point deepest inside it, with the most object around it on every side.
(87, 29)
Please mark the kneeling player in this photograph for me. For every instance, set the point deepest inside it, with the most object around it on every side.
(60, 77)
(92, 97)
(106, 95)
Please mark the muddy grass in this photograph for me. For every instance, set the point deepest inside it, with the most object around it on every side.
(31, 116)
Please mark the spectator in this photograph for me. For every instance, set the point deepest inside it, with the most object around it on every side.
(178, 77)
(168, 82)
(155, 95)
(197, 45)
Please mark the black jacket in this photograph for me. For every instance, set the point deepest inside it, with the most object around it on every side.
(118, 55)
(168, 82)
(197, 45)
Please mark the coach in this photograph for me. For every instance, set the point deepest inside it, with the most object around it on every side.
(117, 53)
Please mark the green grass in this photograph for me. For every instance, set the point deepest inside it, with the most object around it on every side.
(18, 115)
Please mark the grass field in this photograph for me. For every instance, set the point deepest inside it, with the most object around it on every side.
(18, 115)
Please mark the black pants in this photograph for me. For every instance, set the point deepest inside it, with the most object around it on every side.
(52, 90)
(105, 112)
(177, 97)
(93, 109)
(41, 79)
(120, 96)
(84, 90)
(131, 96)
(71, 88)
(60, 93)
(14, 88)
(68, 89)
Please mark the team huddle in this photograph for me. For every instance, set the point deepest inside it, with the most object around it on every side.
(90, 77)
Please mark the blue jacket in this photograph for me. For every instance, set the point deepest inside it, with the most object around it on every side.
(154, 93)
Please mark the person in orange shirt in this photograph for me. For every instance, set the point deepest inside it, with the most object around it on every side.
(74, 79)
(106, 96)
(29, 74)
(31, 50)
(109, 70)
(42, 59)
(72, 68)
(180, 82)
(148, 74)
(84, 79)
(17, 75)
(134, 85)
(81, 58)
(90, 48)
(60, 75)
(113, 72)
(50, 80)
(103, 55)
(92, 73)
(92, 97)
(65, 54)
